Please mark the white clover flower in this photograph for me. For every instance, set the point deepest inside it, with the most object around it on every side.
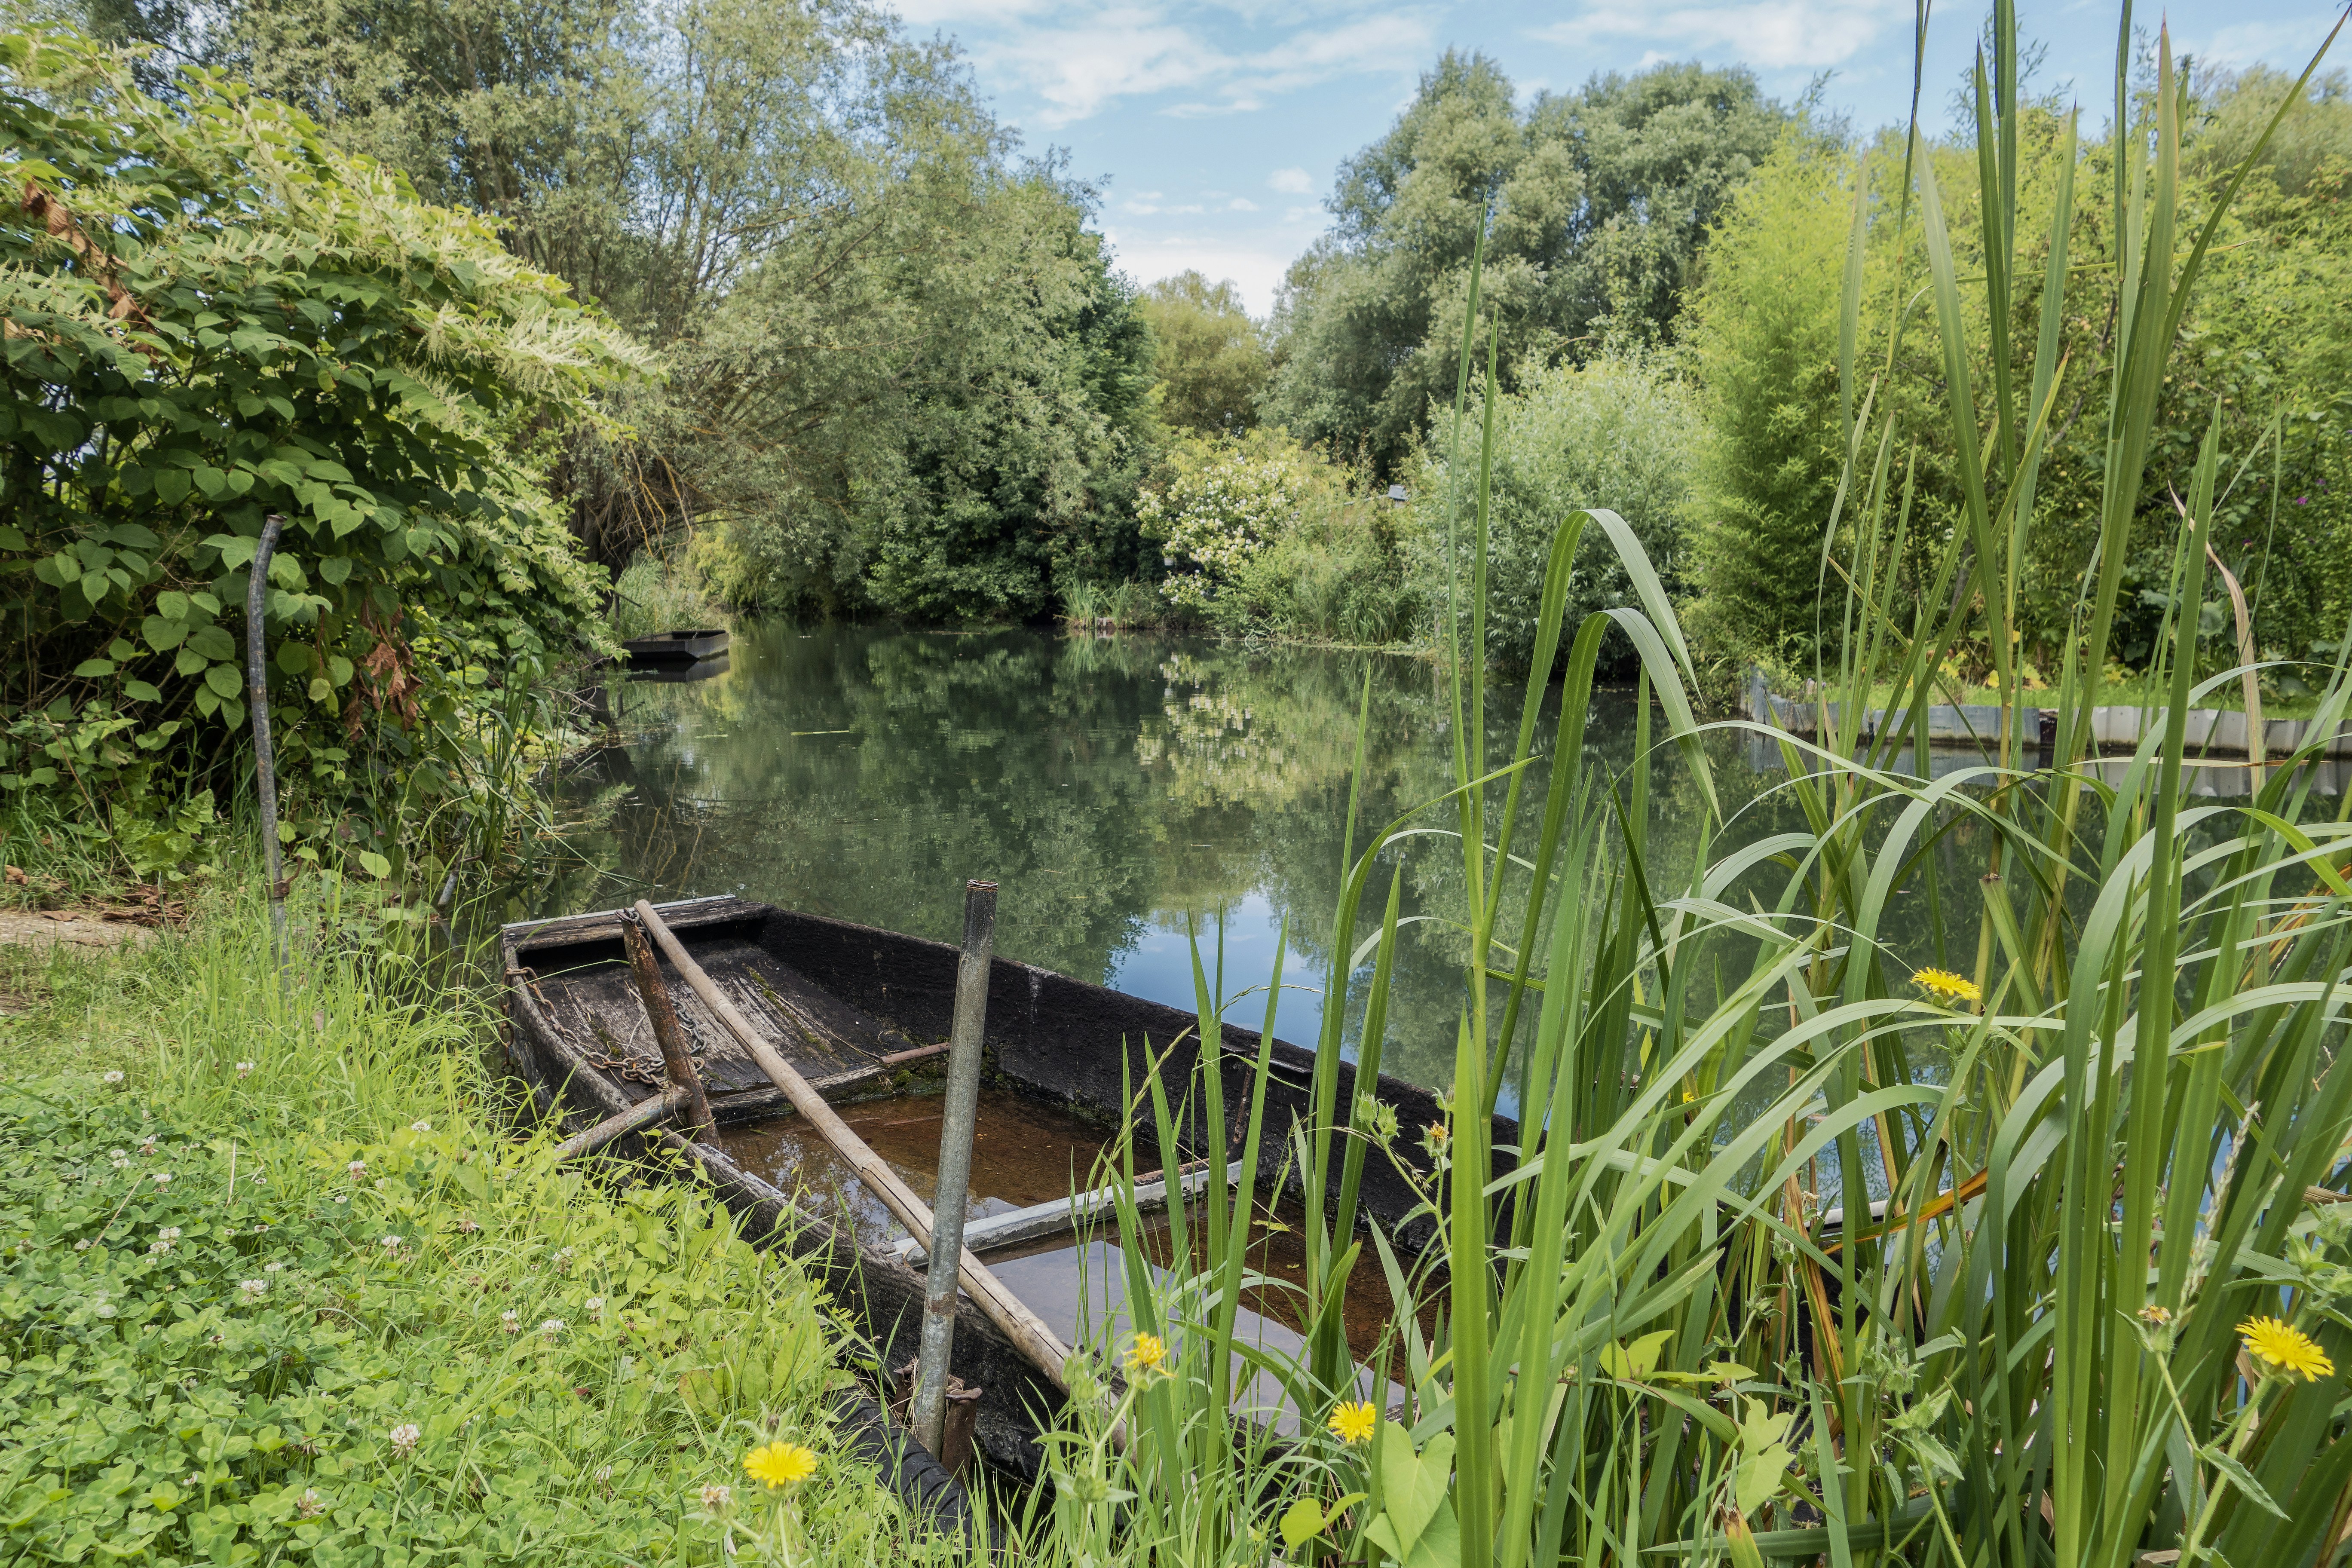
(272, 1267)
(308, 1505)
(170, 1233)
(258, 1179)
(716, 1497)
(356, 1169)
(553, 1327)
(147, 1146)
(468, 1224)
(194, 1481)
(121, 1164)
(114, 1153)
(161, 1178)
(254, 1290)
(158, 1246)
(115, 1076)
(81, 1246)
(420, 1127)
(343, 1197)
(390, 1243)
(243, 1069)
(594, 1303)
(605, 1472)
(403, 1438)
(511, 1321)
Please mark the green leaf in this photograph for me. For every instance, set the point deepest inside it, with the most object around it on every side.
(375, 864)
(1302, 1522)
(171, 605)
(336, 569)
(213, 643)
(90, 669)
(221, 679)
(1635, 1358)
(235, 548)
(12, 538)
(189, 662)
(139, 690)
(171, 486)
(2242, 1478)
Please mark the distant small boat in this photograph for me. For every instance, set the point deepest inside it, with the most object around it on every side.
(676, 647)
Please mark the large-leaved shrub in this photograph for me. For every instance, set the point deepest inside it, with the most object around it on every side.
(208, 315)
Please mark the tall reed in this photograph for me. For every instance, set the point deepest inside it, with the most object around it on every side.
(1671, 1324)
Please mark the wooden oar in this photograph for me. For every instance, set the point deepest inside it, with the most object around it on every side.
(1007, 1311)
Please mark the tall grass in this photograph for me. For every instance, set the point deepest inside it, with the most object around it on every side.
(1673, 1324)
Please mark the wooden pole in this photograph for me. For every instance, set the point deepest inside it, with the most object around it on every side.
(927, 1411)
(1011, 1317)
(264, 764)
(644, 1113)
(677, 1060)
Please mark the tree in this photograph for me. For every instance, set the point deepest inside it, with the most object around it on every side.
(1209, 358)
(1601, 199)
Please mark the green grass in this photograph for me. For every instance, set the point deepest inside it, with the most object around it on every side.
(158, 1404)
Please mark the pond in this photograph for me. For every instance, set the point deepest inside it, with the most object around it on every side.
(1127, 793)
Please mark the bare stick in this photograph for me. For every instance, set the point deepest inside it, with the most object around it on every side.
(642, 1114)
(927, 1412)
(1011, 1315)
(677, 1060)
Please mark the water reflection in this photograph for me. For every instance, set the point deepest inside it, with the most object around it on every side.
(1124, 791)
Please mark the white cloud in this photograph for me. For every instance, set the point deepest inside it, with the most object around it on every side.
(1080, 60)
(1290, 182)
(2285, 43)
(1256, 270)
(1780, 34)
(1078, 69)
(1243, 205)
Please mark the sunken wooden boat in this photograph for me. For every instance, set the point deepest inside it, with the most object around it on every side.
(856, 1011)
(676, 647)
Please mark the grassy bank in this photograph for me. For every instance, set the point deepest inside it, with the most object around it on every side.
(283, 1284)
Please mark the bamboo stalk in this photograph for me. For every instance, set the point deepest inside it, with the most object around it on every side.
(1011, 1317)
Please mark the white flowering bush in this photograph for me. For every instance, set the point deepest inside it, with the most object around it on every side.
(1224, 502)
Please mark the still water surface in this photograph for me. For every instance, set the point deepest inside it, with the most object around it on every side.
(1126, 792)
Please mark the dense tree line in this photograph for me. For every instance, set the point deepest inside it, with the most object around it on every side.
(2265, 347)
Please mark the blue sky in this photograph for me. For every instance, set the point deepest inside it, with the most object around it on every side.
(1218, 127)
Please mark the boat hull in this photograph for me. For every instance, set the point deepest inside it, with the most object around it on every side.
(837, 998)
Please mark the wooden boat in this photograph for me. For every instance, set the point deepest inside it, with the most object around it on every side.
(855, 1009)
(676, 647)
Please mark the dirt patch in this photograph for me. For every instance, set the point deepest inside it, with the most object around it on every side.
(70, 927)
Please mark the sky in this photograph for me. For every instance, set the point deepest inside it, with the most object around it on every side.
(1214, 129)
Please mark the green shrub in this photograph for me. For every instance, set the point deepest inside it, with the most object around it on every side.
(1261, 535)
(660, 594)
(213, 316)
(1623, 433)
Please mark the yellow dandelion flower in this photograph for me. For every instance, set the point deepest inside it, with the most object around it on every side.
(781, 1464)
(1147, 1353)
(1944, 984)
(1353, 1422)
(2287, 1348)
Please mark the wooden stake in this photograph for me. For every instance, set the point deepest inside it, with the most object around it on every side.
(677, 1060)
